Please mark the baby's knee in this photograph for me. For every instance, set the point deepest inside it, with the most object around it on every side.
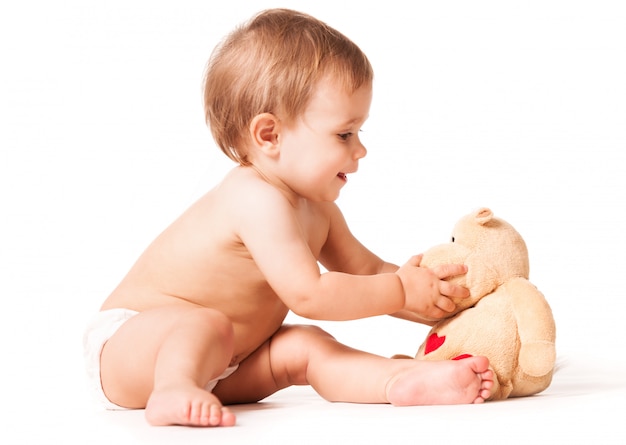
(305, 334)
(211, 320)
(291, 350)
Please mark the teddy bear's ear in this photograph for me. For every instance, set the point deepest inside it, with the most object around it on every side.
(483, 215)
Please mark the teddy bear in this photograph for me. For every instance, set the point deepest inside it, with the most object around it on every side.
(506, 318)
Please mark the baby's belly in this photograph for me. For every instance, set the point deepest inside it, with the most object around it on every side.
(250, 336)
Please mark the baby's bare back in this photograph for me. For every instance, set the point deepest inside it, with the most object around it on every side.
(199, 260)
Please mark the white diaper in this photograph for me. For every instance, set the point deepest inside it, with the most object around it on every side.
(98, 332)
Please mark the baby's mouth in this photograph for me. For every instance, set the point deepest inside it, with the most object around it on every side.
(342, 176)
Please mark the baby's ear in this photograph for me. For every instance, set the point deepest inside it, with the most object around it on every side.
(264, 132)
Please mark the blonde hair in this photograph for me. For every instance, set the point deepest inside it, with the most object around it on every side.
(271, 64)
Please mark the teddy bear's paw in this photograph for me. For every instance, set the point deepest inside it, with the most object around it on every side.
(537, 358)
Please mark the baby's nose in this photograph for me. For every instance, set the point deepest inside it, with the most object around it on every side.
(360, 151)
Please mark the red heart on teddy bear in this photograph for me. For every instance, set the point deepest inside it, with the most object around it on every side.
(433, 343)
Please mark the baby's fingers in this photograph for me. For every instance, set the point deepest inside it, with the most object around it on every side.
(452, 290)
(445, 304)
(449, 270)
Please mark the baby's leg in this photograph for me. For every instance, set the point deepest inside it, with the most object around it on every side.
(161, 359)
(301, 355)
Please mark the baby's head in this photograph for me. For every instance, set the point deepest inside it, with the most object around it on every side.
(272, 64)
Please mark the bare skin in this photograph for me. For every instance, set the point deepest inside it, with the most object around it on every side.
(214, 288)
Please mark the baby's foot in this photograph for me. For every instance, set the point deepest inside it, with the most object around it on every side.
(442, 383)
(187, 406)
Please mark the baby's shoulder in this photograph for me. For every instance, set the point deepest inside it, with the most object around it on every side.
(244, 195)
(247, 187)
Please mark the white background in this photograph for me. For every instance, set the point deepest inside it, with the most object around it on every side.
(518, 106)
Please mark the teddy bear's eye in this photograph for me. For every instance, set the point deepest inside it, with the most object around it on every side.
(452, 239)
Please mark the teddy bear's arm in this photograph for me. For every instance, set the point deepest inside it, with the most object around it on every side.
(535, 326)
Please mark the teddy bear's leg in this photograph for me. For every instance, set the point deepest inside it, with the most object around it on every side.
(500, 390)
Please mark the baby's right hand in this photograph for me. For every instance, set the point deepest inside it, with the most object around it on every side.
(426, 292)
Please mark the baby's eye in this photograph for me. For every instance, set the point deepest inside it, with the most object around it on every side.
(344, 136)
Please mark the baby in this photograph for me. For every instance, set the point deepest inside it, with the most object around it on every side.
(197, 323)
